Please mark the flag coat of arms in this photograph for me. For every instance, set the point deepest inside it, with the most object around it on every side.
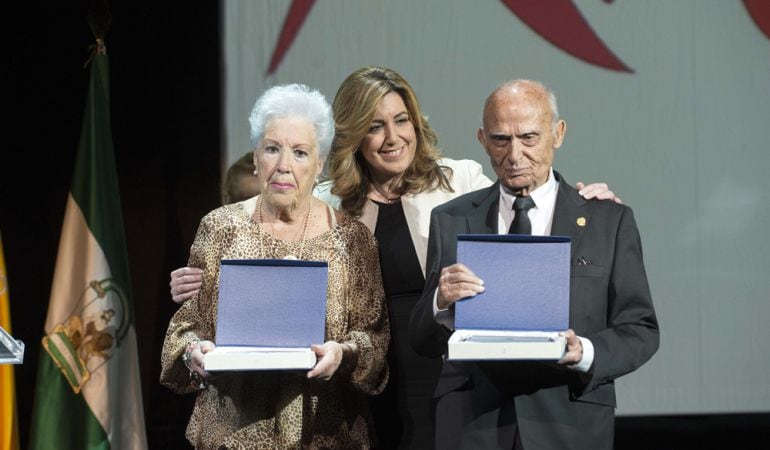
(88, 392)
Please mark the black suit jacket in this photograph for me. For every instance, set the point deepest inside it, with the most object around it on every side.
(610, 304)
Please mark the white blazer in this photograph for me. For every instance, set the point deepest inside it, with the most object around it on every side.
(467, 176)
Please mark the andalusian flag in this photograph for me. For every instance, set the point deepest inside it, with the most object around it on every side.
(9, 426)
(88, 391)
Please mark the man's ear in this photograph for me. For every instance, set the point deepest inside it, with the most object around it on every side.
(558, 133)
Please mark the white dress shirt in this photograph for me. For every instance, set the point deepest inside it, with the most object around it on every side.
(541, 215)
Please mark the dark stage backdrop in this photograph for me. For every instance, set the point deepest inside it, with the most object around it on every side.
(165, 84)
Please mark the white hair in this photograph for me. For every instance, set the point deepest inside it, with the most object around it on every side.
(554, 106)
(293, 100)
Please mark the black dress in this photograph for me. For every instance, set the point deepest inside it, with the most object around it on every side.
(403, 413)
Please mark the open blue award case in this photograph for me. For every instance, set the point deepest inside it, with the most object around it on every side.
(525, 303)
(269, 313)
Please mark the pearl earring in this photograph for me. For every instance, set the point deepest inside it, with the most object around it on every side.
(255, 172)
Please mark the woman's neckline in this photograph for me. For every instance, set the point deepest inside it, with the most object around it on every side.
(385, 205)
(261, 229)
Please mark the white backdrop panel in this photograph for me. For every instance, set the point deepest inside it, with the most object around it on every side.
(681, 140)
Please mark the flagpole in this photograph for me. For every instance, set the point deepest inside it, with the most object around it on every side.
(88, 392)
(11, 352)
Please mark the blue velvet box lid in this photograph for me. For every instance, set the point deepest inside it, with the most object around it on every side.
(526, 281)
(271, 303)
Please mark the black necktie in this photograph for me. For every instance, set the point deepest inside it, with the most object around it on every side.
(521, 223)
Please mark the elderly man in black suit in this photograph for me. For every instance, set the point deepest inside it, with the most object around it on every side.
(613, 327)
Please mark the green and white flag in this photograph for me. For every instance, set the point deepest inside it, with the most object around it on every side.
(88, 393)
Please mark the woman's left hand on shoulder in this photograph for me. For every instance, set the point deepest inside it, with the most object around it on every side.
(599, 191)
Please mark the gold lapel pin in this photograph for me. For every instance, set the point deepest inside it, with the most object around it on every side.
(581, 221)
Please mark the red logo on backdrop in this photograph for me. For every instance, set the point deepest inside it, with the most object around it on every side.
(557, 21)
(561, 24)
(759, 10)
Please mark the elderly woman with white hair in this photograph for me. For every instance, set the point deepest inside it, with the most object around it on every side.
(291, 132)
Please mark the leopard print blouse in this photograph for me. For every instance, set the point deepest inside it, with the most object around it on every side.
(284, 409)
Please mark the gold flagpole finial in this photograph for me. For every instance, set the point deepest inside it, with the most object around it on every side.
(99, 20)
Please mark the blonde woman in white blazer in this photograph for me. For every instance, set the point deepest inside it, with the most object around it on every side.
(385, 169)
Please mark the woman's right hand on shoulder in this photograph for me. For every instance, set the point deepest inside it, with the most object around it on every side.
(185, 282)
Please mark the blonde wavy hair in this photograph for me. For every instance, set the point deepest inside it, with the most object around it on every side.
(354, 107)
